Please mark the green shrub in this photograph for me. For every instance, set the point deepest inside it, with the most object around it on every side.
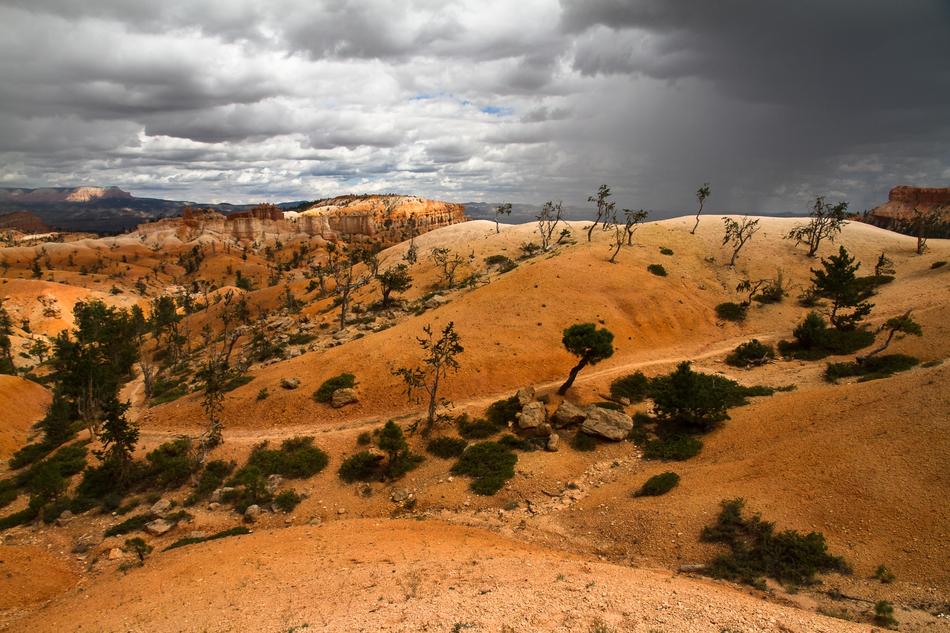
(212, 477)
(658, 485)
(8, 492)
(446, 447)
(489, 463)
(504, 264)
(756, 550)
(250, 488)
(134, 524)
(363, 466)
(872, 368)
(814, 340)
(236, 381)
(501, 412)
(325, 392)
(28, 455)
(235, 531)
(477, 429)
(730, 311)
(263, 394)
(171, 465)
(364, 438)
(883, 574)
(583, 442)
(297, 458)
(287, 500)
(666, 251)
(676, 448)
(938, 264)
(22, 517)
(635, 387)
(657, 269)
(524, 444)
(884, 614)
(772, 292)
(301, 338)
(750, 354)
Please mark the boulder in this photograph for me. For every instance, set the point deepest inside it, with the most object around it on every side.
(161, 506)
(567, 414)
(115, 554)
(399, 495)
(273, 483)
(64, 518)
(532, 416)
(289, 383)
(343, 397)
(435, 301)
(158, 527)
(252, 513)
(525, 395)
(553, 441)
(218, 495)
(85, 543)
(607, 423)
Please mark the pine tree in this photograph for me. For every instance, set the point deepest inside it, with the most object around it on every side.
(837, 282)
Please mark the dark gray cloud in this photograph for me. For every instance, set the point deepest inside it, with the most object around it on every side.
(771, 101)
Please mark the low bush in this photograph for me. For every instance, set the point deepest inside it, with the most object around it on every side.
(477, 429)
(635, 387)
(503, 263)
(28, 455)
(523, 444)
(364, 439)
(657, 269)
(730, 311)
(297, 458)
(658, 485)
(751, 354)
(363, 466)
(287, 500)
(301, 338)
(212, 477)
(501, 412)
(22, 517)
(757, 550)
(325, 392)
(772, 292)
(873, 368)
(883, 574)
(235, 531)
(170, 465)
(8, 492)
(884, 614)
(490, 464)
(446, 447)
(814, 340)
(249, 488)
(236, 381)
(666, 251)
(583, 442)
(867, 286)
(134, 524)
(675, 448)
(938, 264)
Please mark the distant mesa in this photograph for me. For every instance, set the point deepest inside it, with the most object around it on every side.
(62, 194)
(901, 202)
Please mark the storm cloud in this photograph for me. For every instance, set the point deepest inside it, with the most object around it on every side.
(772, 102)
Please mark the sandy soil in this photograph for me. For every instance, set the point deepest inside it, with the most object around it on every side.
(22, 403)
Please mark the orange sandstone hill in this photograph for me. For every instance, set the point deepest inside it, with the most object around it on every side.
(902, 200)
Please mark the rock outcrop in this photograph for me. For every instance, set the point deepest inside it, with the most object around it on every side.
(900, 205)
(385, 220)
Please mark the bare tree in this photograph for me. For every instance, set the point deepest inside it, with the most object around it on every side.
(347, 280)
(448, 263)
(548, 219)
(500, 210)
(701, 194)
(923, 224)
(604, 208)
(439, 359)
(412, 253)
(633, 221)
(826, 222)
(737, 234)
(884, 265)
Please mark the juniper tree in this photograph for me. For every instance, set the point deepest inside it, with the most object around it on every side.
(923, 224)
(500, 210)
(6, 346)
(826, 222)
(347, 280)
(590, 344)
(701, 194)
(884, 265)
(903, 324)
(448, 263)
(633, 219)
(438, 360)
(837, 282)
(737, 234)
(118, 437)
(394, 279)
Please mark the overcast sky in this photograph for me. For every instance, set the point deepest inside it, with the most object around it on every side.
(771, 101)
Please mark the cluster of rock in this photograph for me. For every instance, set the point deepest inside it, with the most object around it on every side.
(386, 219)
(604, 423)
